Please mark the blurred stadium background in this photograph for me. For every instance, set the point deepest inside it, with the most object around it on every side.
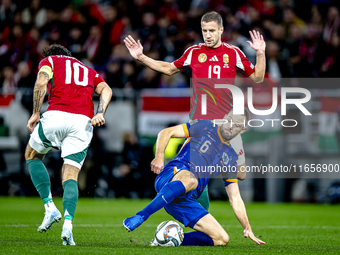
(303, 41)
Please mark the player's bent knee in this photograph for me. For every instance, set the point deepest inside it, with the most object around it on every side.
(222, 240)
(190, 184)
(30, 153)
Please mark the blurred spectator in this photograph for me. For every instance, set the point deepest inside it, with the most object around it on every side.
(128, 76)
(114, 74)
(31, 54)
(297, 47)
(16, 51)
(8, 84)
(332, 24)
(127, 175)
(174, 81)
(74, 42)
(275, 68)
(7, 11)
(26, 80)
(96, 48)
(147, 79)
(35, 14)
(290, 19)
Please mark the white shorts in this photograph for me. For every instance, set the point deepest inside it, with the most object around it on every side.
(237, 145)
(72, 133)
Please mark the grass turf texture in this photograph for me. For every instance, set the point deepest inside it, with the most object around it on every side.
(286, 228)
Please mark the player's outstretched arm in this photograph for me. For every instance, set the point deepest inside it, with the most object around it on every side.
(39, 93)
(239, 209)
(163, 139)
(105, 93)
(259, 45)
(136, 51)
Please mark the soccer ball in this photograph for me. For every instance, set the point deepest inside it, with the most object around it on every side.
(169, 233)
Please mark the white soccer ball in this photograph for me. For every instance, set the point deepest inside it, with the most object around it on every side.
(169, 233)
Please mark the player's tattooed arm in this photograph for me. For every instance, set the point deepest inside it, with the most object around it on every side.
(105, 93)
(101, 105)
(39, 91)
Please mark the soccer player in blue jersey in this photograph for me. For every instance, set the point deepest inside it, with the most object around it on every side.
(205, 154)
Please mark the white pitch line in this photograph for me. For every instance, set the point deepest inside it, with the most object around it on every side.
(150, 225)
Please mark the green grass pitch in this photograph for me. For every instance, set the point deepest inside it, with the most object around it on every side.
(286, 228)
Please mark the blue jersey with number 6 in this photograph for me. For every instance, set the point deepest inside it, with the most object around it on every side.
(205, 154)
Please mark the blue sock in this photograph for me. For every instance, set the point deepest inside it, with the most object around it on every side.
(197, 238)
(165, 196)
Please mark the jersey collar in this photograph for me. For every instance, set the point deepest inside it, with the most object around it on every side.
(220, 136)
(219, 48)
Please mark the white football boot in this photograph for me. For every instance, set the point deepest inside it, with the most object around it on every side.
(50, 218)
(67, 236)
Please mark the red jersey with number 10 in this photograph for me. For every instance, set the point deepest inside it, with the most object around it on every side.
(212, 66)
(71, 85)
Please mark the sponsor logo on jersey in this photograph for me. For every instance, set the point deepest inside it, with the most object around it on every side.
(240, 153)
(202, 57)
(225, 158)
(226, 58)
(214, 58)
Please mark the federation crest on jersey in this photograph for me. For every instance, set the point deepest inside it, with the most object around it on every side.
(225, 158)
(202, 57)
(226, 58)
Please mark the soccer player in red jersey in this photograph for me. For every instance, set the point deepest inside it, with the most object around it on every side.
(67, 125)
(213, 62)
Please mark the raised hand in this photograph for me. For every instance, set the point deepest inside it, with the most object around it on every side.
(249, 233)
(258, 43)
(135, 49)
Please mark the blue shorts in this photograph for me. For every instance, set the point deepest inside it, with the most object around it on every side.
(185, 209)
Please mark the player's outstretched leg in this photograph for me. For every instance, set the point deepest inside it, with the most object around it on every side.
(168, 193)
(183, 182)
(165, 196)
(70, 198)
(41, 181)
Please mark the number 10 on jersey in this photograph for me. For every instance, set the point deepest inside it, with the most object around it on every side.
(76, 72)
(215, 70)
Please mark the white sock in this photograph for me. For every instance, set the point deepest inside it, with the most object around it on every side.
(50, 207)
(67, 224)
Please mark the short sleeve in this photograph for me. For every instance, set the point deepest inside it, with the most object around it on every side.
(45, 62)
(185, 60)
(231, 176)
(243, 65)
(195, 127)
(46, 67)
(98, 80)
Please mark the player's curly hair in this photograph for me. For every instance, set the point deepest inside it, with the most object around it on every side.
(56, 49)
(212, 16)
